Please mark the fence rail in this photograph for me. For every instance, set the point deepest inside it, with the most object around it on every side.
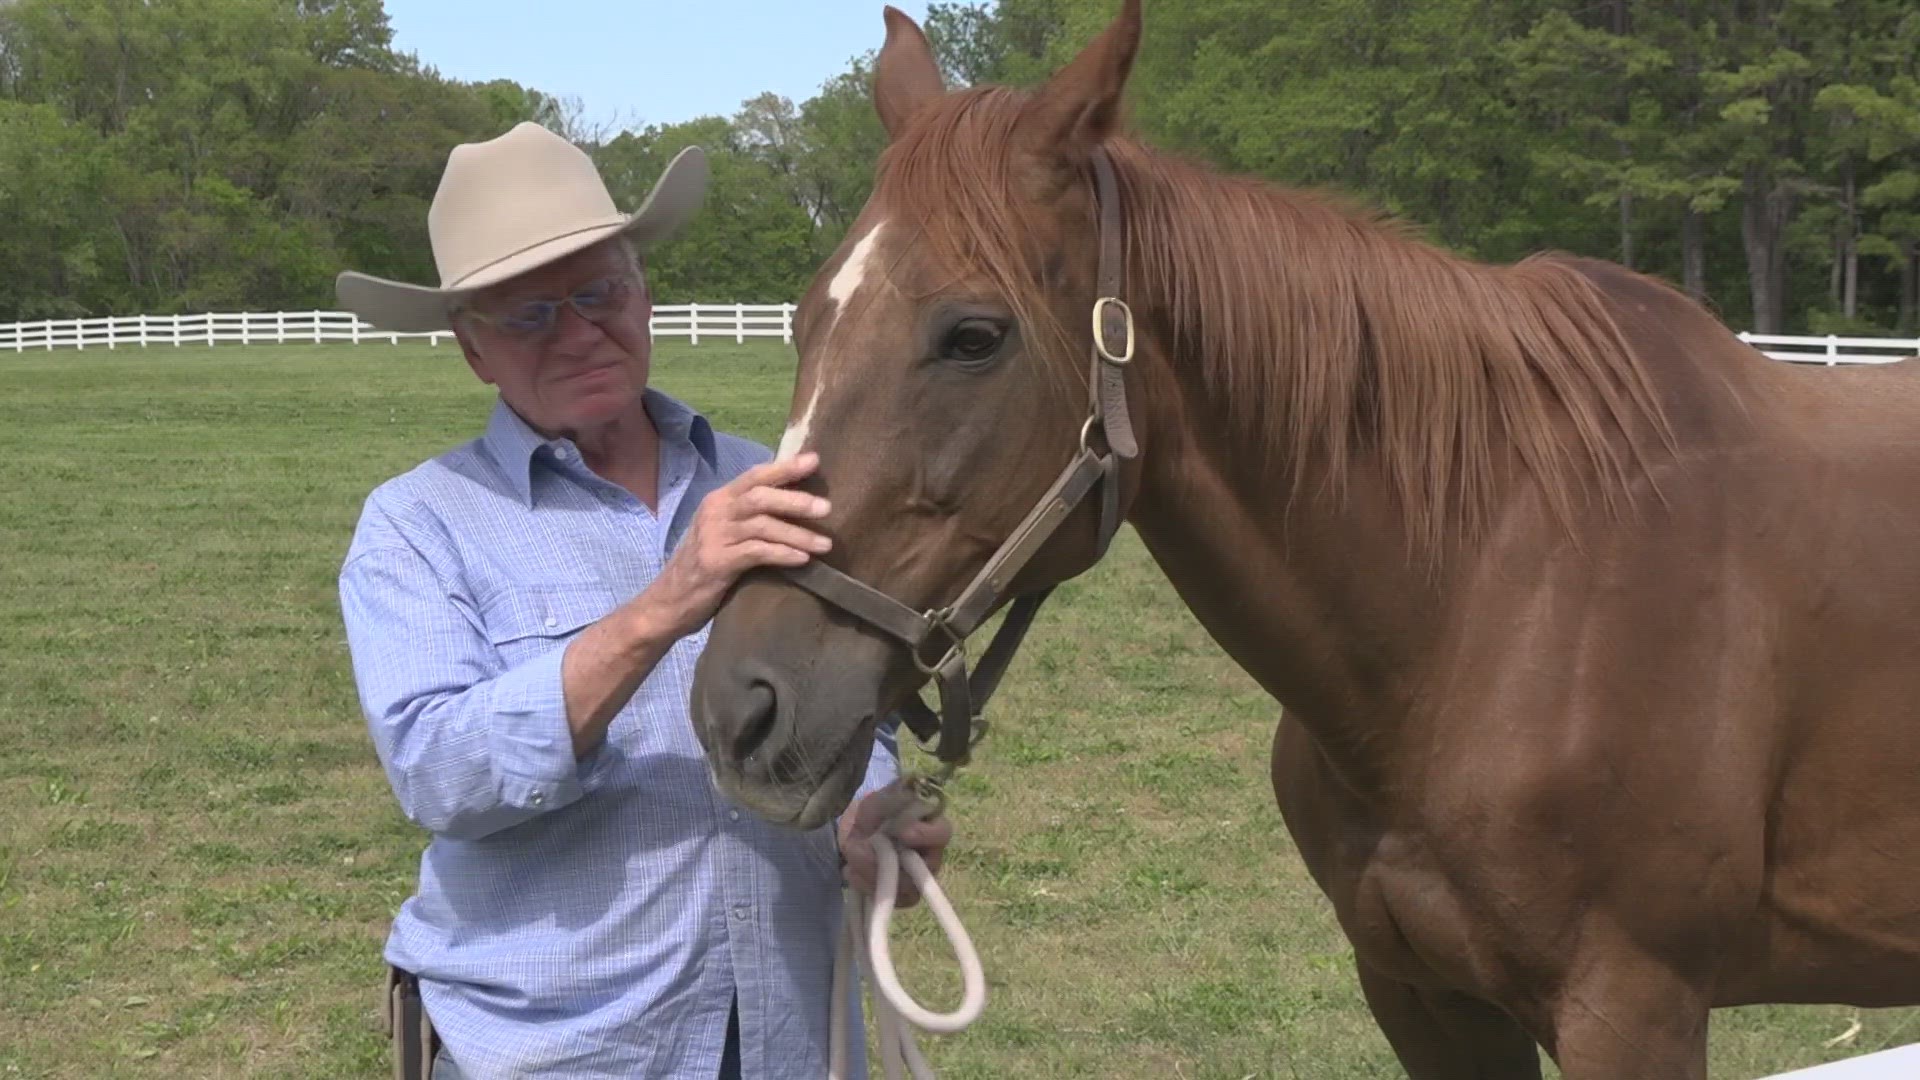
(1832, 349)
(736, 322)
(714, 322)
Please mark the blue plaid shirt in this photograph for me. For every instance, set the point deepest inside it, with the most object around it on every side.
(575, 919)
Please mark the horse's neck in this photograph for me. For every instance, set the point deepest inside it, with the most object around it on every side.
(1320, 599)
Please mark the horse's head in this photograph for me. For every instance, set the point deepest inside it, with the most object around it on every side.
(946, 352)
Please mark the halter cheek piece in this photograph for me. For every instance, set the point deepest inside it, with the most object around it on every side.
(962, 696)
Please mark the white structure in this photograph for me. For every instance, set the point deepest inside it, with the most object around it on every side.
(736, 322)
(1900, 1063)
(714, 322)
(1830, 349)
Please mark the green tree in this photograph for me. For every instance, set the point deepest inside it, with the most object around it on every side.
(750, 242)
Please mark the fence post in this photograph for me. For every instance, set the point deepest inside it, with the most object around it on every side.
(49, 333)
(786, 323)
(280, 327)
(1833, 349)
(693, 324)
(356, 329)
(316, 328)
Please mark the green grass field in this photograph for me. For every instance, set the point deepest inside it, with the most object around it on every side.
(199, 854)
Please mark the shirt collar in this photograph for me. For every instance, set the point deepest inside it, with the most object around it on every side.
(516, 446)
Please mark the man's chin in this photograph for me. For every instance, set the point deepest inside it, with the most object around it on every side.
(595, 405)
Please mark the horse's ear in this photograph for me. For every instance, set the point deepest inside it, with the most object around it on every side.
(905, 75)
(1079, 107)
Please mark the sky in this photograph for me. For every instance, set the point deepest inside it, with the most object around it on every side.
(641, 62)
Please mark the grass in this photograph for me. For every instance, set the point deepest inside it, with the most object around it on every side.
(199, 855)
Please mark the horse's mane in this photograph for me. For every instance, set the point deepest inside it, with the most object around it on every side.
(1325, 335)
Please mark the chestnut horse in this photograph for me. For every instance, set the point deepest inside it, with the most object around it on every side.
(1597, 632)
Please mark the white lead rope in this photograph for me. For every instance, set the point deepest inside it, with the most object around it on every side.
(864, 931)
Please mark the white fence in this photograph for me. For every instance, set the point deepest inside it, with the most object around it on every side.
(1830, 349)
(732, 322)
(714, 322)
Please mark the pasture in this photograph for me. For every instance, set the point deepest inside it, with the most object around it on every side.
(199, 854)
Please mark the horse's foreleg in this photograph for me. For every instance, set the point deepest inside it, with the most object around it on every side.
(1442, 1035)
(1623, 1017)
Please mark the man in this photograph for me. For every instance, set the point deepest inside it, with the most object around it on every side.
(524, 612)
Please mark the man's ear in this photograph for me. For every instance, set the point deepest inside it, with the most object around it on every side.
(475, 361)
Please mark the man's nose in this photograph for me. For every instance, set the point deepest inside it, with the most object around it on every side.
(572, 330)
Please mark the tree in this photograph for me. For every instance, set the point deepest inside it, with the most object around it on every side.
(750, 241)
(966, 42)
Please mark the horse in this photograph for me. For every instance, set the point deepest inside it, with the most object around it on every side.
(1592, 629)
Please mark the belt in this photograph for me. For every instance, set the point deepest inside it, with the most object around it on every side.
(405, 1020)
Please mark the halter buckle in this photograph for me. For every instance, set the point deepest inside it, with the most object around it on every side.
(937, 620)
(1100, 332)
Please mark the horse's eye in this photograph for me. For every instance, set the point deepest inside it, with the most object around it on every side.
(973, 340)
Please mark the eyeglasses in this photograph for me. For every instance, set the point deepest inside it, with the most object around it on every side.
(596, 301)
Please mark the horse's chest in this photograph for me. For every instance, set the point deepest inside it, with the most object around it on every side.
(1409, 920)
(1434, 900)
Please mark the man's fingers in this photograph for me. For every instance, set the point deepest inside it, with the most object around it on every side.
(784, 502)
(751, 553)
(783, 532)
(926, 833)
(778, 472)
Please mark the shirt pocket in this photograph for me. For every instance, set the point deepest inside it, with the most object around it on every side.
(527, 620)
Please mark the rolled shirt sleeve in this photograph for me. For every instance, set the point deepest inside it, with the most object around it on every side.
(468, 746)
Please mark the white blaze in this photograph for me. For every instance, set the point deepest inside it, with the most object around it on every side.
(795, 438)
(846, 282)
(854, 271)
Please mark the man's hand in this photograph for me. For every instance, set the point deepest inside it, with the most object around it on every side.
(928, 838)
(738, 527)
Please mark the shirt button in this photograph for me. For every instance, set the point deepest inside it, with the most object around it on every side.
(733, 815)
(538, 798)
(551, 621)
(739, 911)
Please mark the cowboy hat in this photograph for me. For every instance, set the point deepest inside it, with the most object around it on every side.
(513, 203)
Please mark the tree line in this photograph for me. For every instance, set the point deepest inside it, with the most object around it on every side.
(182, 155)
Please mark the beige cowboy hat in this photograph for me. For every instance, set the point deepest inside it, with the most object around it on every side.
(513, 203)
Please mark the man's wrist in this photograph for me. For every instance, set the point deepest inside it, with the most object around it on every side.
(646, 631)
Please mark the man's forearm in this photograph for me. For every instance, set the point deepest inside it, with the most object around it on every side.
(605, 665)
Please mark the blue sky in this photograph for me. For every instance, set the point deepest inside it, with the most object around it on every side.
(643, 62)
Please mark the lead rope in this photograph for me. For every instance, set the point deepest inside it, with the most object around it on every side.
(863, 937)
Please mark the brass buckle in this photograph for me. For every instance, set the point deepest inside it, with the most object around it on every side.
(932, 786)
(1100, 336)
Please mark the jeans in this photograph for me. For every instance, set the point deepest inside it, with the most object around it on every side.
(445, 1069)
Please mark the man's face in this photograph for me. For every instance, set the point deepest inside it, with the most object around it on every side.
(564, 372)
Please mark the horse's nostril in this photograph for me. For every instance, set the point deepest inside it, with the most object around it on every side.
(759, 709)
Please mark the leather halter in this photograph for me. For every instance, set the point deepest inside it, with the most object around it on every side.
(1107, 423)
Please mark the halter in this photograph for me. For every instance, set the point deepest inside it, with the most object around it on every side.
(958, 724)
